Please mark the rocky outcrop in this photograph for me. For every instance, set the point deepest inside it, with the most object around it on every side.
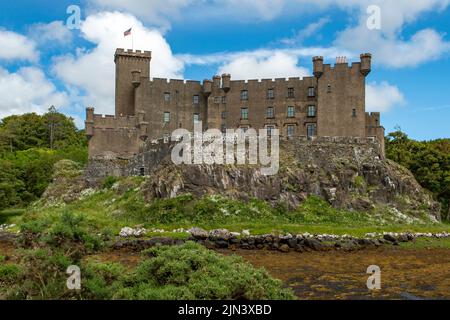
(349, 174)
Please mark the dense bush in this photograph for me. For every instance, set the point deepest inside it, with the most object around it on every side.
(30, 145)
(189, 271)
(429, 161)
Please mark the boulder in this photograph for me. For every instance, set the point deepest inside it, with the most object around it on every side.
(198, 233)
(389, 237)
(223, 234)
(314, 244)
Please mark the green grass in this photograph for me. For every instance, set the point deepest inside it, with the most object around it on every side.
(11, 216)
(120, 203)
(425, 243)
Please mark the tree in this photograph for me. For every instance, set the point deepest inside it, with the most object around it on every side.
(429, 161)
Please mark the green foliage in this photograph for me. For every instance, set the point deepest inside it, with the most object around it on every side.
(108, 182)
(429, 161)
(30, 145)
(40, 275)
(9, 272)
(69, 232)
(189, 271)
(52, 130)
(210, 209)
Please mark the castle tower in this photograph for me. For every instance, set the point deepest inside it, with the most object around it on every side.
(130, 67)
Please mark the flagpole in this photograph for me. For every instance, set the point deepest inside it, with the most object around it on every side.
(132, 40)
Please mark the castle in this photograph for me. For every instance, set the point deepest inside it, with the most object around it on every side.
(329, 104)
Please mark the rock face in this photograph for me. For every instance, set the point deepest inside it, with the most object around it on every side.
(348, 173)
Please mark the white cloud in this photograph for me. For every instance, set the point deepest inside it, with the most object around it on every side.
(157, 12)
(305, 33)
(50, 33)
(381, 97)
(91, 72)
(277, 65)
(17, 47)
(227, 57)
(387, 44)
(27, 90)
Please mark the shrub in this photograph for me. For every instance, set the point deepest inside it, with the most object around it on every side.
(109, 181)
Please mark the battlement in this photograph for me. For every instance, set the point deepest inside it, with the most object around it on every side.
(122, 53)
(159, 81)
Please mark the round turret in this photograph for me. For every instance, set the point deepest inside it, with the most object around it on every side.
(318, 66)
(366, 63)
(216, 81)
(207, 87)
(136, 78)
(226, 78)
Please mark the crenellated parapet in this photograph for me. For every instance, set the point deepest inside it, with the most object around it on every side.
(123, 135)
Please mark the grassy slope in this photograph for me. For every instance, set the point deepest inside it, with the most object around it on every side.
(111, 208)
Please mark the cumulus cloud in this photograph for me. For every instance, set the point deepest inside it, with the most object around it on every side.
(91, 72)
(27, 90)
(50, 33)
(17, 47)
(381, 97)
(277, 65)
(388, 44)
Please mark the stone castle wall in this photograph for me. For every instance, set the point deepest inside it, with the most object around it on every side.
(149, 108)
(158, 152)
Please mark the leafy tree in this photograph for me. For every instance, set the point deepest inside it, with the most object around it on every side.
(429, 161)
(30, 145)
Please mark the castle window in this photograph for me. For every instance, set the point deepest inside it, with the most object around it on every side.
(311, 130)
(224, 128)
(244, 113)
(270, 130)
(311, 92)
(196, 117)
(329, 88)
(270, 112)
(224, 114)
(290, 130)
(196, 99)
(142, 172)
(291, 93)
(270, 94)
(224, 99)
(354, 113)
(167, 96)
(311, 111)
(216, 99)
(166, 117)
(290, 112)
(244, 95)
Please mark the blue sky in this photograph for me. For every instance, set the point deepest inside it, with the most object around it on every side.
(43, 62)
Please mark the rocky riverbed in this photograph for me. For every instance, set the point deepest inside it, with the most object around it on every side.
(405, 273)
